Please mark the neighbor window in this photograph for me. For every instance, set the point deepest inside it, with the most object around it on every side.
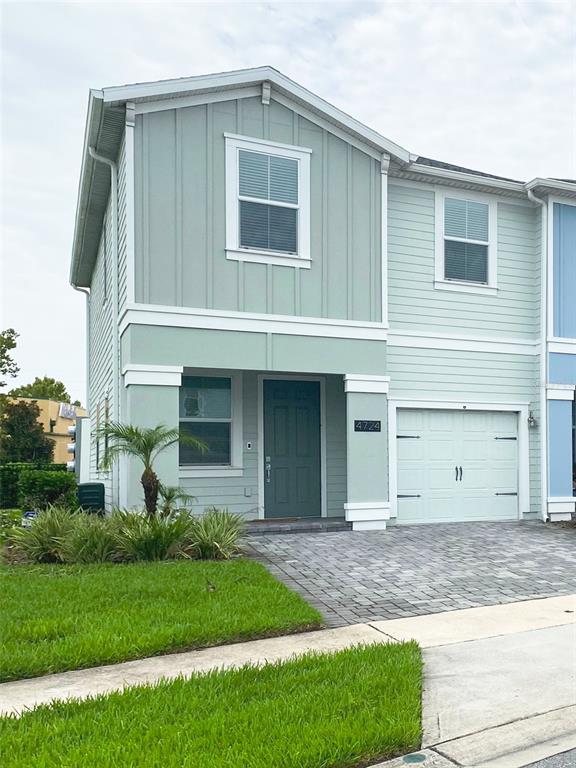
(206, 414)
(267, 201)
(465, 247)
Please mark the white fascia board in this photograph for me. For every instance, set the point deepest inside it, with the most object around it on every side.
(183, 317)
(246, 77)
(430, 340)
(446, 175)
(552, 184)
(354, 382)
(154, 375)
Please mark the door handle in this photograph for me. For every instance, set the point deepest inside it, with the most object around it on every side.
(268, 469)
(460, 474)
(456, 470)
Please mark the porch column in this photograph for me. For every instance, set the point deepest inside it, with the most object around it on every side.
(152, 397)
(561, 502)
(367, 506)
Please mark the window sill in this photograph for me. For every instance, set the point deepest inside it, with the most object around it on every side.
(265, 257)
(199, 471)
(465, 287)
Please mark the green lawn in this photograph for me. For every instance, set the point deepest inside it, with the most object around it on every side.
(320, 711)
(55, 618)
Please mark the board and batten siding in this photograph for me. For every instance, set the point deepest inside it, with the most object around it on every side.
(180, 217)
(240, 494)
(122, 250)
(432, 374)
(100, 354)
(414, 303)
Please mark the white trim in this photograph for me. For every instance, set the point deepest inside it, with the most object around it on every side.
(522, 409)
(214, 319)
(374, 513)
(244, 78)
(234, 144)
(560, 391)
(561, 508)
(430, 186)
(269, 257)
(461, 286)
(260, 452)
(461, 177)
(369, 384)
(269, 147)
(460, 342)
(440, 282)
(155, 375)
(195, 99)
(130, 194)
(562, 346)
(236, 466)
(384, 166)
(549, 256)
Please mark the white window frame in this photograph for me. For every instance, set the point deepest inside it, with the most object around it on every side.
(235, 468)
(466, 286)
(234, 144)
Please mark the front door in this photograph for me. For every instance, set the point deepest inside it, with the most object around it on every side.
(291, 448)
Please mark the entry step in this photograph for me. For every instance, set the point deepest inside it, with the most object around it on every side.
(297, 525)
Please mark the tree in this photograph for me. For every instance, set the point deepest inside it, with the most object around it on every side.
(43, 389)
(21, 434)
(145, 444)
(7, 343)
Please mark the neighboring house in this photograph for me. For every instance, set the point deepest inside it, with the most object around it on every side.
(55, 418)
(352, 329)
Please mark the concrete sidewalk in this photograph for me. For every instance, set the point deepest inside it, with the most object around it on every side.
(500, 681)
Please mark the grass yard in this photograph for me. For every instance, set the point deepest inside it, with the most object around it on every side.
(320, 711)
(56, 617)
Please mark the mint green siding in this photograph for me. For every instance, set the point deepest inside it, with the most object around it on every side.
(180, 217)
(100, 385)
(243, 350)
(414, 303)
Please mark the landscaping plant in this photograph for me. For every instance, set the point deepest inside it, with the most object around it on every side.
(41, 488)
(44, 541)
(216, 534)
(145, 444)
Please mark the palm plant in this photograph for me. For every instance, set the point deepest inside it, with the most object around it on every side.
(145, 444)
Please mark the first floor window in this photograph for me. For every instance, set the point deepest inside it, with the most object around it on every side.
(206, 414)
(466, 240)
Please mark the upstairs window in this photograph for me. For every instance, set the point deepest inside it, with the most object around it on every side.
(267, 202)
(465, 240)
(465, 246)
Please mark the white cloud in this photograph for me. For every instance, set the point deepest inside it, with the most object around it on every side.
(490, 85)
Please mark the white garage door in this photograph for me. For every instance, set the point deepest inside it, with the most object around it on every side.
(457, 465)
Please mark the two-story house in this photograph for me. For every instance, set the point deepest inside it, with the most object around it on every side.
(353, 330)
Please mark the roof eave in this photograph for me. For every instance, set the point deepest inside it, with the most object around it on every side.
(430, 174)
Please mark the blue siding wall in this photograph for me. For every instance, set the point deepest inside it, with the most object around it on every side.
(560, 447)
(561, 368)
(565, 270)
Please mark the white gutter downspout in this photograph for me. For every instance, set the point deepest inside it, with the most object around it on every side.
(86, 292)
(543, 351)
(115, 338)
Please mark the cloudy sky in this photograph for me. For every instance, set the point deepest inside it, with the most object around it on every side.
(489, 85)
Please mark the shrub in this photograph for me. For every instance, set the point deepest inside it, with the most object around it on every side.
(216, 534)
(44, 541)
(91, 539)
(9, 519)
(39, 489)
(139, 537)
(9, 476)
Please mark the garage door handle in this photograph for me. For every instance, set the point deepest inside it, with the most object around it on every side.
(460, 473)
(506, 494)
(409, 496)
(456, 470)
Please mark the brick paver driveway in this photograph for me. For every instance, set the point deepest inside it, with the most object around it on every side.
(407, 571)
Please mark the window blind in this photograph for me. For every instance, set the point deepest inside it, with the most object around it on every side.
(466, 219)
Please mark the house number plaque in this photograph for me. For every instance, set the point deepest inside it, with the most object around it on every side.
(367, 425)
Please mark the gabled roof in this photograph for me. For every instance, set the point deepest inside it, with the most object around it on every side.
(105, 127)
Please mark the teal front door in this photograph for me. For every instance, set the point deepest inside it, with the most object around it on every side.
(291, 448)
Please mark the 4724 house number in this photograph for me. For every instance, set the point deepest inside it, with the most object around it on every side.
(367, 425)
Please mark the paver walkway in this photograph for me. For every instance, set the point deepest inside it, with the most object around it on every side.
(414, 570)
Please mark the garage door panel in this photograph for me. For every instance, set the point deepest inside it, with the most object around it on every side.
(448, 439)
